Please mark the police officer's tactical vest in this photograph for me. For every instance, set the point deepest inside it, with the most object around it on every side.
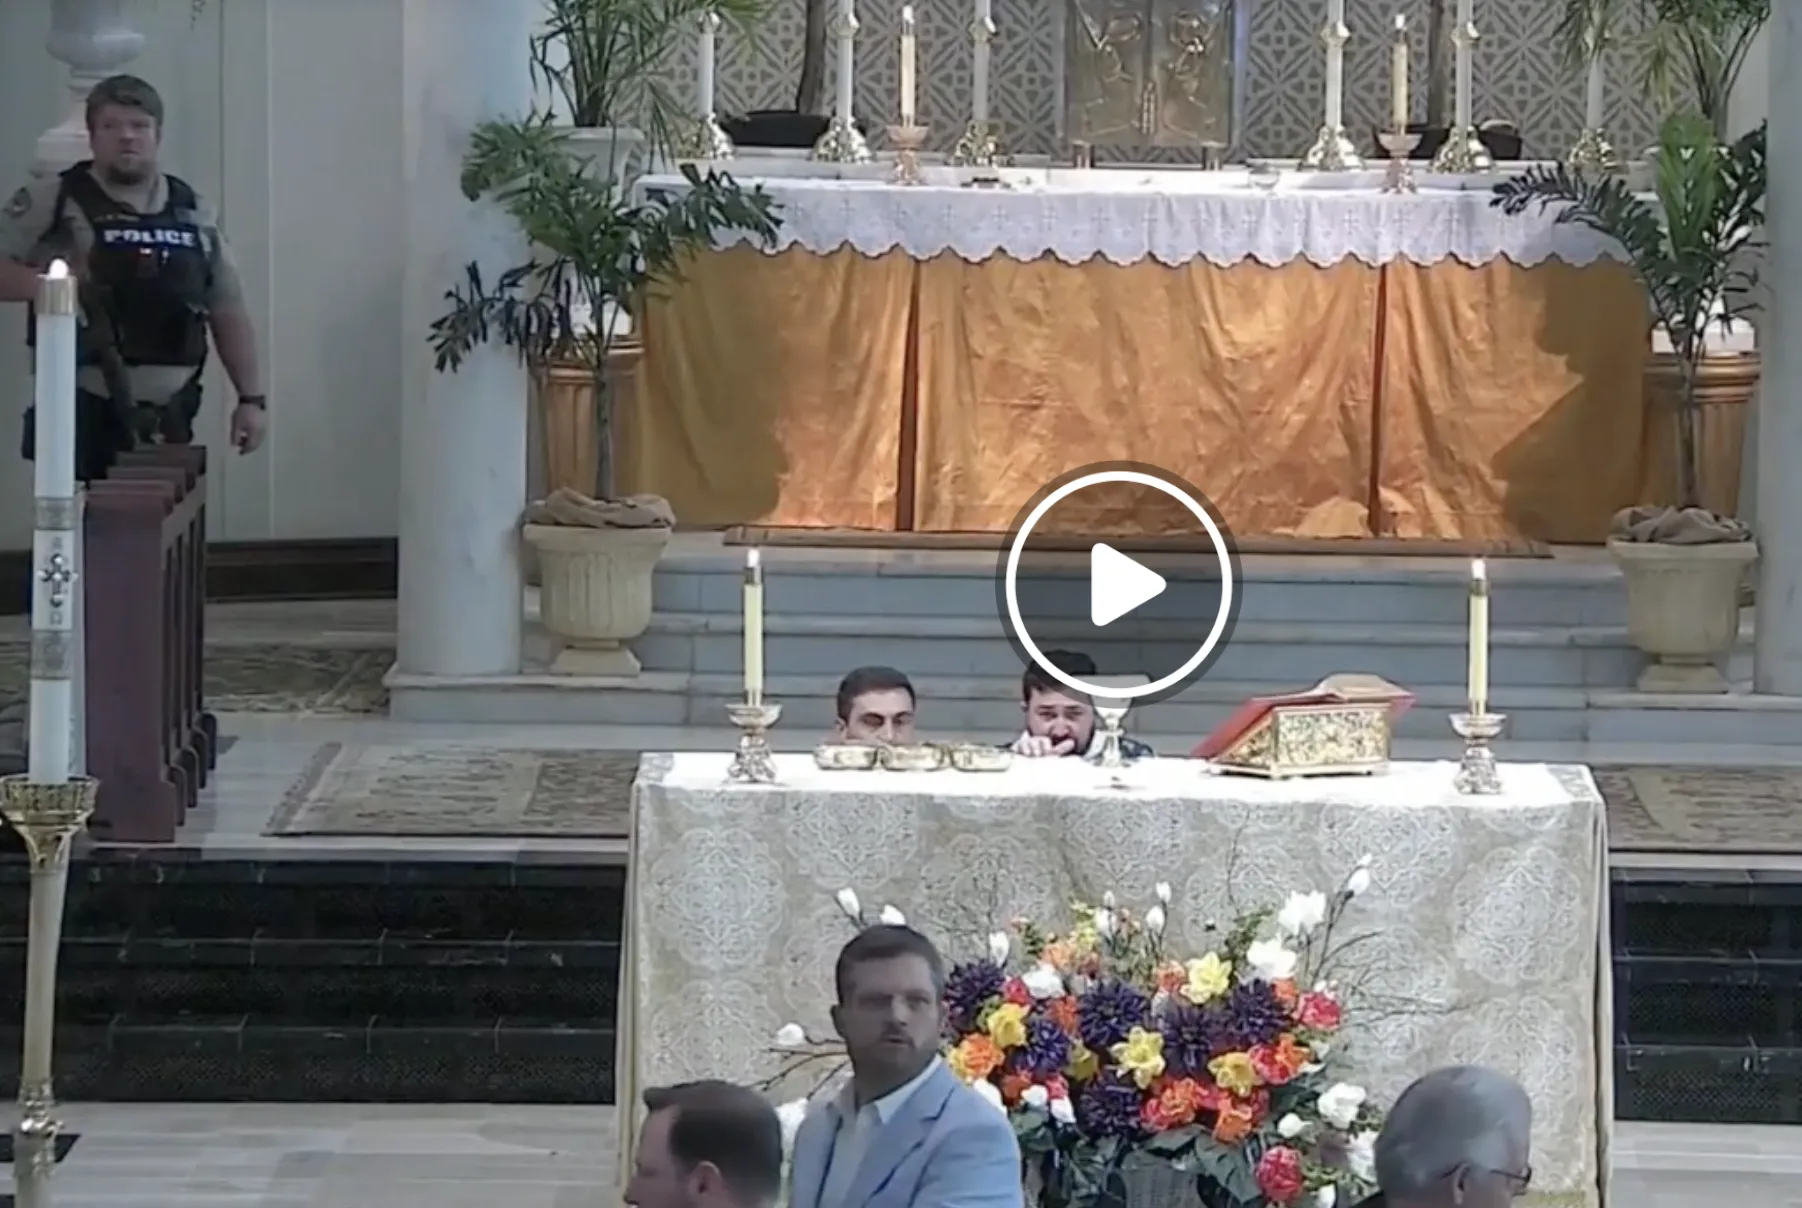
(152, 270)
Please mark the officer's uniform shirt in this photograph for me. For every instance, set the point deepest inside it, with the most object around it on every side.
(26, 219)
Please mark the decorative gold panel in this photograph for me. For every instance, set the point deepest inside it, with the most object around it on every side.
(1140, 74)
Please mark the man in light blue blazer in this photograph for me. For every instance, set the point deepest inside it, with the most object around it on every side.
(905, 1133)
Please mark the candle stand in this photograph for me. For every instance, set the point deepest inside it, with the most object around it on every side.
(1477, 775)
(978, 148)
(707, 139)
(753, 762)
(907, 142)
(1592, 152)
(1400, 145)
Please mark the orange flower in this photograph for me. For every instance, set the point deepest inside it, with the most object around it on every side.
(1062, 1012)
(1285, 992)
(1234, 1123)
(1013, 1086)
(1279, 1063)
(1060, 954)
(975, 1058)
(1154, 1119)
(1178, 1100)
(1171, 977)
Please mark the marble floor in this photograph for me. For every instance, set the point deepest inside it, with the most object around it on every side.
(274, 1156)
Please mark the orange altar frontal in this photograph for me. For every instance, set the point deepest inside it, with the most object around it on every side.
(1319, 364)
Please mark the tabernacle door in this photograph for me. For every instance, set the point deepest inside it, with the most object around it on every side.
(1153, 73)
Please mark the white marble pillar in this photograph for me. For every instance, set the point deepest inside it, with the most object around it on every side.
(1777, 666)
(93, 39)
(463, 434)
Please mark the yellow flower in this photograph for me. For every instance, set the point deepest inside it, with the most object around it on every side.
(1233, 1072)
(1208, 978)
(1083, 937)
(1083, 1064)
(1141, 1054)
(1007, 1025)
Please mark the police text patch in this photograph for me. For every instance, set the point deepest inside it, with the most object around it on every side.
(19, 205)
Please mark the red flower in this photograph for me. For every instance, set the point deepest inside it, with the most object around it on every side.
(1318, 1012)
(1015, 991)
(1056, 1087)
(1156, 1118)
(1279, 1175)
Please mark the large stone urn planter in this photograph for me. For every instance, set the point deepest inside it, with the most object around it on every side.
(595, 578)
(1726, 383)
(1683, 606)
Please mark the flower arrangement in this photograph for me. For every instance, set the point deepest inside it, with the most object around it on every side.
(1116, 1056)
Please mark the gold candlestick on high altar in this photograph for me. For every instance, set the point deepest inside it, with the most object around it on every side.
(1332, 150)
(1592, 150)
(1462, 150)
(979, 146)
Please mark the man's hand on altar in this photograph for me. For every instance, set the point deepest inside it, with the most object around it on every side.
(1039, 746)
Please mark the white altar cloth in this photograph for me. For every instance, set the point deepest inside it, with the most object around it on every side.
(1486, 925)
(1131, 214)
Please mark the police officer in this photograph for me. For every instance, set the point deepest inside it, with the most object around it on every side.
(150, 259)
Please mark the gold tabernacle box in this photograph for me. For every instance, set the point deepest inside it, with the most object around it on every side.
(1342, 726)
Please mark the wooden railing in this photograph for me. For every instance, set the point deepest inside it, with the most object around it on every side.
(150, 741)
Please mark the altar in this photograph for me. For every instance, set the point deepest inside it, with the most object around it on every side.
(1321, 359)
(1486, 919)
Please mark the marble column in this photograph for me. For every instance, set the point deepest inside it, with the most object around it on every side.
(93, 39)
(1777, 665)
(463, 434)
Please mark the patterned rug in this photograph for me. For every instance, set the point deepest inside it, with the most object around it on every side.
(360, 790)
(259, 679)
(1740, 811)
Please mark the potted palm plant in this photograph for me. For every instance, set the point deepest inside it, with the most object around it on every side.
(801, 127)
(600, 62)
(597, 253)
(1690, 243)
(1694, 48)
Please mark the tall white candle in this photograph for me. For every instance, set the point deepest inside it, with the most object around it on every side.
(847, 58)
(1398, 76)
(1479, 637)
(983, 26)
(907, 66)
(1335, 67)
(753, 609)
(1461, 66)
(704, 81)
(1592, 91)
(50, 741)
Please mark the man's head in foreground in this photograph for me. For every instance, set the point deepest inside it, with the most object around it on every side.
(876, 704)
(1059, 720)
(707, 1145)
(1458, 1137)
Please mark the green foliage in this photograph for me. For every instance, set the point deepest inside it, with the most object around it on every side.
(601, 58)
(1690, 243)
(591, 245)
(1695, 48)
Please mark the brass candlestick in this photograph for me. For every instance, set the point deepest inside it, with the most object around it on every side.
(47, 817)
(1462, 152)
(1592, 152)
(706, 139)
(1400, 145)
(907, 141)
(753, 762)
(978, 148)
(1477, 775)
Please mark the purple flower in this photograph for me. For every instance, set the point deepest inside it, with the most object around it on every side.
(1108, 1012)
(1109, 1107)
(1193, 1036)
(1047, 1049)
(1255, 1015)
(968, 989)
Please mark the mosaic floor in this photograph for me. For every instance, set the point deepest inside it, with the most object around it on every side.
(272, 1156)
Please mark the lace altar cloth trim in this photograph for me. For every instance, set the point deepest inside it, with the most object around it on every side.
(1171, 217)
(1482, 932)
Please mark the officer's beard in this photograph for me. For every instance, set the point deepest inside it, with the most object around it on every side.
(126, 178)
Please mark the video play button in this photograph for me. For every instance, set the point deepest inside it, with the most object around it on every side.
(1118, 584)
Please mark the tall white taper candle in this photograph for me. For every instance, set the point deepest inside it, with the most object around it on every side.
(1594, 82)
(847, 58)
(1461, 67)
(984, 21)
(907, 65)
(704, 81)
(1398, 76)
(1335, 68)
(52, 724)
(753, 627)
(1479, 637)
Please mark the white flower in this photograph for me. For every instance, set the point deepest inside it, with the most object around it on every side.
(1154, 920)
(1043, 981)
(1163, 892)
(892, 917)
(1104, 923)
(1361, 1156)
(1063, 1111)
(1289, 1127)
(847, 902)
(1364, 860)
(1326, 1197)
(1107, 900)
(990, 1094)
(1339, 1103)
(791, 1114)
(1302, 913)
(1270, 960)
(790, 1036)
(999, 947)
(1358, 882)
(1036, 1096)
